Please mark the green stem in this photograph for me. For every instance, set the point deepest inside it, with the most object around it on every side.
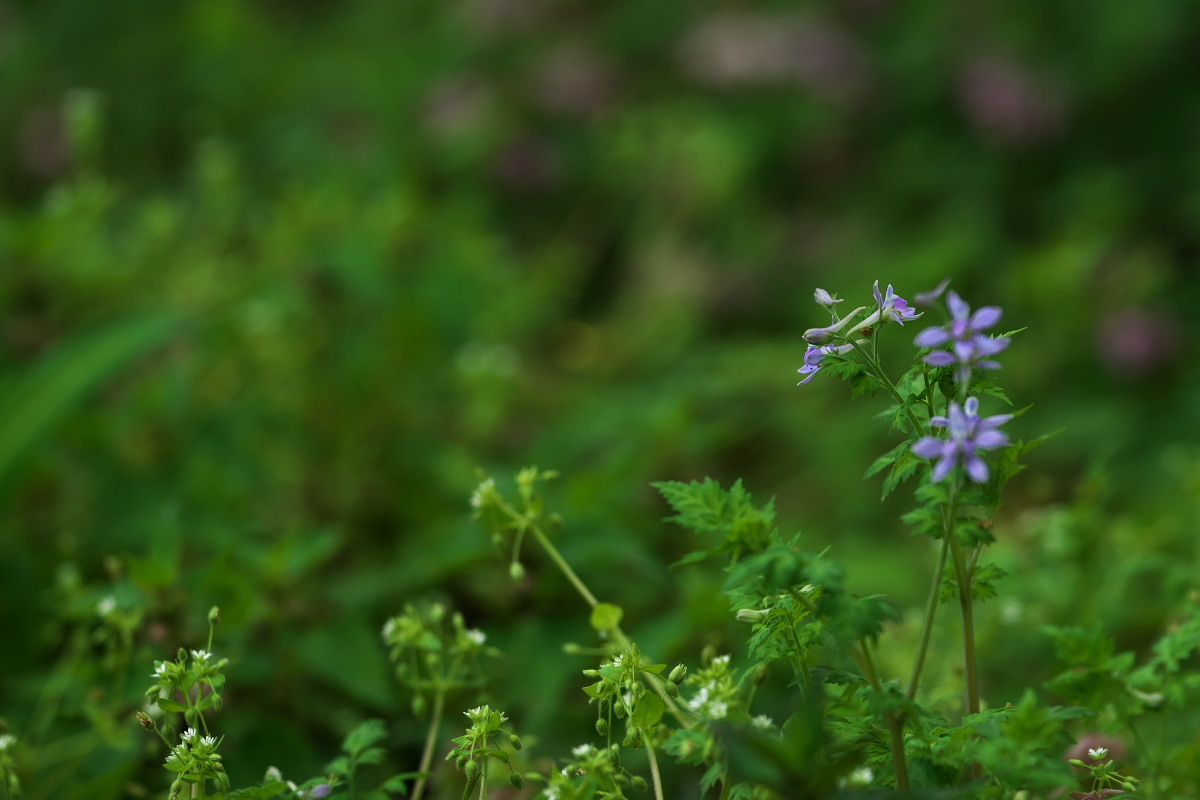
(895, 722)
(619, 635)
(931, 608)
(658, 792)
(877, 371)
(430, 740)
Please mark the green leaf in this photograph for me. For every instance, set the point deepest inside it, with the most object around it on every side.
(30, 409)
(365, 736)
(648, 711)
(595, 690)
(167, 704)
(606, 616)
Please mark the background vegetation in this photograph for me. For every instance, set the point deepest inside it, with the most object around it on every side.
(277, 278)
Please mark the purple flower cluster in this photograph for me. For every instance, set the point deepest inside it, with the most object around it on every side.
(813, 357)
(967, 434)
(890, 308)
(971, 348)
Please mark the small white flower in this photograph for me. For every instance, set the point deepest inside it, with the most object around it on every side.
(1097, 752)
(389, 628)
(481, 491)
(106, 606)
(474, 712)
(699, 699)
(7, 740)
(551, 792)
(273, 774)
(477, 636)
(763, 722)
(209, 741)
(721, 660)
(201, 655)
(860, 777)
(717, 709)
(581, 750)
(188, 735)
(563, 772)
(160, 671)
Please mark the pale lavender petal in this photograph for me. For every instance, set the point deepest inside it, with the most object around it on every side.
(939, 358)
(990, 440)
(878, 295)
(995, 420)
(932, 337)
(943, 468)
(928, 447)
(977, 469)
(939, 422)
(972, 407)
(958, 309)
(985, 318)
(930, 297)
(988, 365)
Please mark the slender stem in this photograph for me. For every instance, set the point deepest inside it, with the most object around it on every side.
(877, 370)
(895, 721)
(658, 792)
(563, 566)
(619, 635)
(931, 608)
(430, 741)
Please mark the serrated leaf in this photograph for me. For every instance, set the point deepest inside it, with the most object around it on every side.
(367, 734)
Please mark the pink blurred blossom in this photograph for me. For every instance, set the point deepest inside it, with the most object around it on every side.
(1135, 342)
(1008, 102)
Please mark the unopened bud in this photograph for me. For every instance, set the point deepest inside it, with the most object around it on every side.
(677, 674)
(418, 706)
(516, 780)
(515, 741)
(635, 738)
(145, 721)
(671, 689)
(639, 783)
(516, 571)
(602, 726)
(214, 615)
(751, 615)
(472, 769)
(614, 757)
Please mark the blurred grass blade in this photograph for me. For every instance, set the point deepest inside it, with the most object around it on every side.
(33, 404)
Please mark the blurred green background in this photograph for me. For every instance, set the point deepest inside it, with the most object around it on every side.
(278, 277)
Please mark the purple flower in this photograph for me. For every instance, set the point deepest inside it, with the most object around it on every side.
(892, 306)
(320, 790)
(925, 299)
(967, 433)
(825, 299)
(971, 348)
(814, 356)
(823, 335)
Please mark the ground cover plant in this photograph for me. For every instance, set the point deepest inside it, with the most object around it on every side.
(278, 278)
(811, 704)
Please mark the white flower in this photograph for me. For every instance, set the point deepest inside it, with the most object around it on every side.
(721, 660)
(477, 636)
(581, 750)
(106, 606)
(188, 735)
(859, 777)
(160, 671)
(699, 699)
(208, 741)
(717, 709)
(201, 655)
(824, 298)
(1097, 752)
(389, 628)
(474, 712)
(551, 792)
(273, 774)
(7, 740)
(763, 722)
(481, 491)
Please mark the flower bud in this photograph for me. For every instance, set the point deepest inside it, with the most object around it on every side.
(671, 689)
(418, 706)
(752, 615)
(639, 783)
(819, 336)
(145, 720)
(516, 571)
(677, 674)
(635, 738)
(602, 726)
(515, 741)
(214, 615)
(824, 298)
(472, 769)
(516, 780)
